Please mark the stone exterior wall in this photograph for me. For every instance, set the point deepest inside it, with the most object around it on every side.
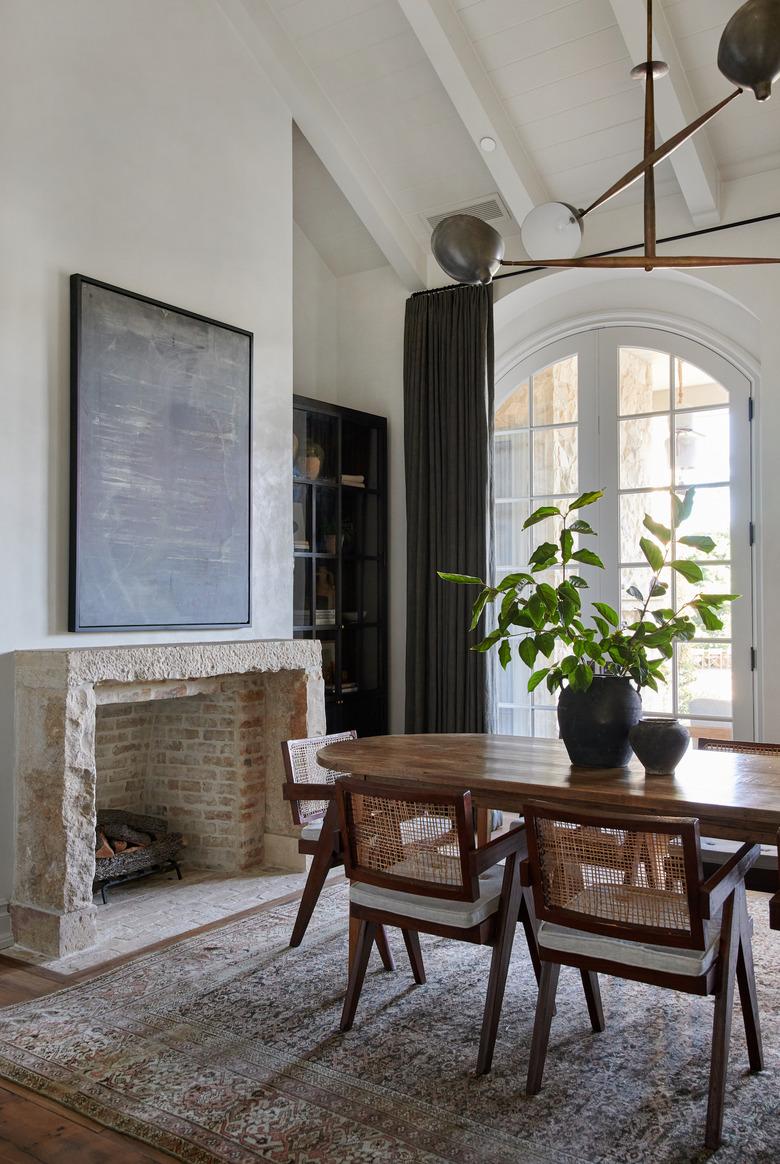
(209, 717)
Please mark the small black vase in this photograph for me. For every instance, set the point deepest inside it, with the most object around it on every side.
(660, 744)
(595, 723)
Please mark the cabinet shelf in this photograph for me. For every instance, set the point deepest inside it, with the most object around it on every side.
(340, 557)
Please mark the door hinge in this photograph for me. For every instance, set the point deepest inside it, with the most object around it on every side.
(751, 408)
(753, 659)
(752, 533)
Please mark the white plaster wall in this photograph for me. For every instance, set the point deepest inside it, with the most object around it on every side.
(315, 321)
(141, 145)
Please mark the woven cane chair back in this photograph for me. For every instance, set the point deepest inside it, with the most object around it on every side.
(633, 877)
(710, 745)
(415, 840)
(300, 762)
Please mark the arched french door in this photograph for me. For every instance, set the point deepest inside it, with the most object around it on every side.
(638, 412)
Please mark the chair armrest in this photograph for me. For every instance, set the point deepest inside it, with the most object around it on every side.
(500, 847)
(307, 791)
(717, 888)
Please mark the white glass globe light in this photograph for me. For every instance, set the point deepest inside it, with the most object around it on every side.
(552, 231)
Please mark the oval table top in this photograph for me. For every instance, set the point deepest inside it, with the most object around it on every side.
(734, 795)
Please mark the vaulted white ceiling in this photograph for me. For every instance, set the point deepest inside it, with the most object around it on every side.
(414, 84)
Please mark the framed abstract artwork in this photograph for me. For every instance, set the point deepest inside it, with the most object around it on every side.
(160, 480)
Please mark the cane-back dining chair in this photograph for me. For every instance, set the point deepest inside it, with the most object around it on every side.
(715, 850)
(309, 789)
(411, 858)
(626, 896)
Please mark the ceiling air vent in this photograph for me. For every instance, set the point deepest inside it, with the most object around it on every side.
(491, 209)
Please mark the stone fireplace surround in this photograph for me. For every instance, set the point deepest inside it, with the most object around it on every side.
(190, 732)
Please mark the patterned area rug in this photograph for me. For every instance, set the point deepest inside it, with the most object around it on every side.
(223, 1048)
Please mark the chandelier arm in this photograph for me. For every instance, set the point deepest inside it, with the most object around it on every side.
(638, 261)
(660, 153)
(649, 199)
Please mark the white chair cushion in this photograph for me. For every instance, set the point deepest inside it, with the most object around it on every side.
(717, 850)
(434, 909)
(645, 955)
(312, 830)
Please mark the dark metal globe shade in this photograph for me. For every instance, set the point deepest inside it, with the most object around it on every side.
(749, 50)
(467, 248)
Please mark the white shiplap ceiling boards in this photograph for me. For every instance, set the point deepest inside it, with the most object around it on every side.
(414, 84)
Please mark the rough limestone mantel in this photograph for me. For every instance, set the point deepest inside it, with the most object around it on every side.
(57, 694)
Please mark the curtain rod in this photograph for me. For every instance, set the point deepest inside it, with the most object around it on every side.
(620, 250)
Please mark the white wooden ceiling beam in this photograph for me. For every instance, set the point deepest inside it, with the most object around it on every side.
(693, 163)
(321, 123)
(452, 54)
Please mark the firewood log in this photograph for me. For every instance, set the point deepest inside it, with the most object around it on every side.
(102, 848)
(125, 832)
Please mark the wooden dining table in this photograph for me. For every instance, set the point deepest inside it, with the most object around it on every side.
(734, 795)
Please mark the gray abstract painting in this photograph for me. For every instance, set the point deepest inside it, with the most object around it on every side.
(160, 465)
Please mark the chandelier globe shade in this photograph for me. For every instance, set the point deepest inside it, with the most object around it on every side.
(749, 50)
(467, 248)
(552, 230)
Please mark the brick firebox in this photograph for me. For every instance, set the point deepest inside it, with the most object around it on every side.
(190, 733)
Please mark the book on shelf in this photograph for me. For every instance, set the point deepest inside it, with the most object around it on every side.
(301, 545)
(356, 480)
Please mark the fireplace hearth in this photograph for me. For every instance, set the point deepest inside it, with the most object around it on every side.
(187, 734)
(129, 846)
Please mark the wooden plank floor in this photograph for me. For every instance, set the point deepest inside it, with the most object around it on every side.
(33, 1128)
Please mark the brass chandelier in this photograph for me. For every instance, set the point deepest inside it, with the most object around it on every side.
(469, 250)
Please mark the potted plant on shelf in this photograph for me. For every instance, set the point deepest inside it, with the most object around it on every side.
(600, 665)
(313, 460)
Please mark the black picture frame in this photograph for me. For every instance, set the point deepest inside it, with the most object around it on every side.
(160, 465)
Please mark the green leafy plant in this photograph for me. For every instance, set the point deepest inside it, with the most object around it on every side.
(544, 623)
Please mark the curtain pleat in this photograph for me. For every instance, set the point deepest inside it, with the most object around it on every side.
(448, 440)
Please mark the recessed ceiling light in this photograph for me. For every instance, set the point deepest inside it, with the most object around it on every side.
(487, 144)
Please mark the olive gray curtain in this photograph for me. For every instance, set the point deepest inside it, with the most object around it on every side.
(448, 429)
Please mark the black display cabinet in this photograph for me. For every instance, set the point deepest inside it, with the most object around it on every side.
(340, 550)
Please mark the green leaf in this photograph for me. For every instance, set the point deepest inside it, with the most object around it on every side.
(657, 530)
(602, 626)
(569, 664)
(505, 653)
(527, 651)
(689, 570)
(507, 611)
(588, 558)
(581, 526)
(463, 579)
(635, 592)
(609, 614)
(718, 599)
(487, 595)
(567, 544)
(488, 642)
(652, 553)
(544, 553)
(708, 616)
(549, 596)
(582, 677)
(541, 514)
(545, 643)
(681, 510)
(536, 609)
(513, 580)
(659, 589)
(577, 582)
(537, 677)
(586, 499)
(703, 543)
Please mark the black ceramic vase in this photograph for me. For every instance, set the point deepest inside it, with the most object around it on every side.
(595, 723)
(660, 744)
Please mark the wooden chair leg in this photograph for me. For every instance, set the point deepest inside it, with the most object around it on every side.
(721, 1026)
(499, 964)
(384, 950)
(746, 981)
(528, 920)
(545, 1005)
(590, 984)
(412, 943)
(320, 867)
(357, 972)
